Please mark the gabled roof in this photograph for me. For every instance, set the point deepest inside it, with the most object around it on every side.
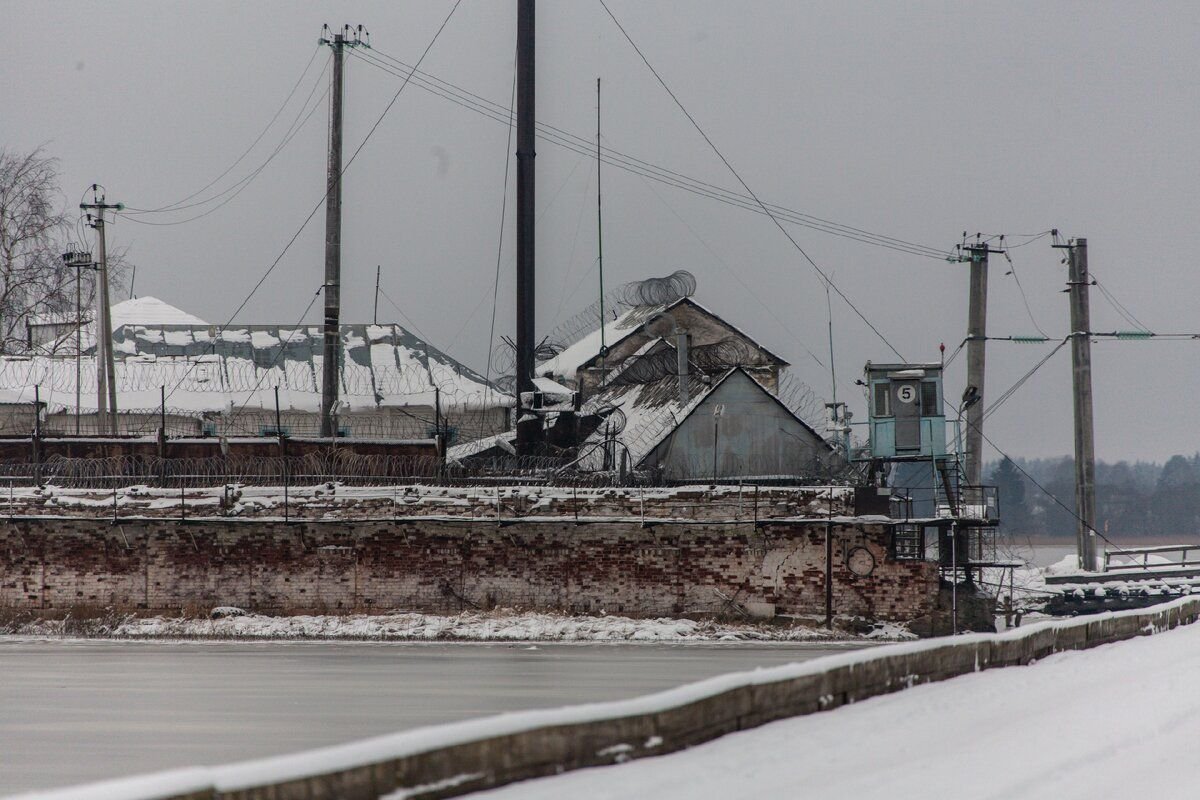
(697, 402)
(587, 350)
(653, 411)
(150, 311)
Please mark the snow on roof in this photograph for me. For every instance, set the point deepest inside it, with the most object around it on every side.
(382, 366)
(654, 410)
(552, 388)
(504, 441)
(568, 362)
(150, 311)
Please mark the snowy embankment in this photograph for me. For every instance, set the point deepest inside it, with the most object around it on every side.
(473, 626)
(1116, 721)
(1012, 739)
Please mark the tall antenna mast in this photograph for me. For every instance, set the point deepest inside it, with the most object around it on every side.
(600, 234)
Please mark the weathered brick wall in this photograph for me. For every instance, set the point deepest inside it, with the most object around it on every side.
(450, 565)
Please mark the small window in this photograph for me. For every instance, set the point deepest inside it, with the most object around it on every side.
(883, 400)
(929, 403)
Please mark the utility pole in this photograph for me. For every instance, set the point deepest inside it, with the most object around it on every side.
(976, 355)
(528, 430)
(1078, 283)
(331, 352)
(105, 368)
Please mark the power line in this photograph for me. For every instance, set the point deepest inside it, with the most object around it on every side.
(241, 185)
(279, 353)
(577, 144)
(175, 206)
(747, 188)
(1012, 269)
(1008, 393)
(1119, 307)
(1050, 494)
(500, 238)
(321, 202)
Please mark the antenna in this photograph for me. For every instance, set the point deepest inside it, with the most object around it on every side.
(600, 235)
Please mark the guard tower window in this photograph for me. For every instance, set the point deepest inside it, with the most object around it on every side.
(883, 400)
(929, 406)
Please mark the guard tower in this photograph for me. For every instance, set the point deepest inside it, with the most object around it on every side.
(905, 411)
(937, 517)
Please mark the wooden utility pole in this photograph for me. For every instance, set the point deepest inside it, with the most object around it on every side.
(106, 378)
(331, 352)
(1078, 283)
(529, 426)
(976, 357)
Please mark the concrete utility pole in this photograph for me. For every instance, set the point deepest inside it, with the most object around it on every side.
(528, 431)
(105, 368)
(976, 356)
(1078, 283)
(331, 353)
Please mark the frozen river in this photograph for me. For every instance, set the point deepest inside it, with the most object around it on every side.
(73, 711)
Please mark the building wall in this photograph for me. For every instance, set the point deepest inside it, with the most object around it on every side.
(451, 565)
(754, 436)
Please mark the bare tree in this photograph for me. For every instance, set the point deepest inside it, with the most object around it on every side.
(35, 230)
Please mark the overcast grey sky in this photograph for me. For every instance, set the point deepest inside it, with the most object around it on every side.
(918, 120)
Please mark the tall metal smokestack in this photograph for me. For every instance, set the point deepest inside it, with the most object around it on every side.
(528, 431)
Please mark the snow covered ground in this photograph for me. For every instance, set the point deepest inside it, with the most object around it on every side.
(1117, 721)
(471, 626)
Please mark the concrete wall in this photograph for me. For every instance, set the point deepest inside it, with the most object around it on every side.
(448, 565)
(454, 760)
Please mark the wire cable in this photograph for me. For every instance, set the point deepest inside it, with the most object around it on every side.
(1004, 397)
(628, 163)
(1047, 492)
(1119, 307)
(500, 237)
(246, 152)
(241, 185)
(1012, 269)
(747, 188)
(321, 202)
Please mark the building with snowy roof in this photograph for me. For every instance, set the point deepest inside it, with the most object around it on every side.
(584, 367)
(729, 427)
(209, 380)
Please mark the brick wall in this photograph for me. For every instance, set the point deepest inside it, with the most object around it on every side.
(448, 565)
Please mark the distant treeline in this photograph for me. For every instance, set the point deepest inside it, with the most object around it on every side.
(1137, 499)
